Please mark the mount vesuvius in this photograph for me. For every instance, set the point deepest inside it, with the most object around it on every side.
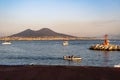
(44, 32)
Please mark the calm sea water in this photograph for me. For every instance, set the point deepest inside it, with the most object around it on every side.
(52, 52)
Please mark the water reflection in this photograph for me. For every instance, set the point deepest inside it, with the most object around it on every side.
(105, 58)
(78, 62)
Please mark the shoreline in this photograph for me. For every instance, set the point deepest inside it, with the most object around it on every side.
(46, 38)
(57, 72)
(53, 38)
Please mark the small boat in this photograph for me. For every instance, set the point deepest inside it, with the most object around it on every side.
(71, 58)
(65, 43)
(117, 66)
(6, 42)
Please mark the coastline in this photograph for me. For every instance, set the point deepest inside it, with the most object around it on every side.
(46, 38)
(51, 38)
(57, 72)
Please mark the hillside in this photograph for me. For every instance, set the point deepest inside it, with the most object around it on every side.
(44, 32)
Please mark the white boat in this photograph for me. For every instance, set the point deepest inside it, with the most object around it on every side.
(65, 43)
(117, 66)
(6, 42)
(71, 58)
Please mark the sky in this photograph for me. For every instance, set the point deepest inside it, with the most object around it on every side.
(81, 18)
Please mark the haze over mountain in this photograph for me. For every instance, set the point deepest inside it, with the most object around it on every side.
(44, 32)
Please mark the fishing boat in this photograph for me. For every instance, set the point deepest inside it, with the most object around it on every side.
(71, 58)
(6, 42)
(65, 43)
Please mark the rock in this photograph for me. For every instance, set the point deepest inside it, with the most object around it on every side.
(110, 47)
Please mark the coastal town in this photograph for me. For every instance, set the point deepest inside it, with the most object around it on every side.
(46, 38)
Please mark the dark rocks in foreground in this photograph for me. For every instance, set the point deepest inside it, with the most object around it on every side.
(40, 72)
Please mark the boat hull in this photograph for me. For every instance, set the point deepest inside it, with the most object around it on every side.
(6, 43)
(71, 58)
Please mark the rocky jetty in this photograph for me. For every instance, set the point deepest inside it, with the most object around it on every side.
(110, 47)
(105, 46)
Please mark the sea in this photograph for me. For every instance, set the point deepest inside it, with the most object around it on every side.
(52, 52)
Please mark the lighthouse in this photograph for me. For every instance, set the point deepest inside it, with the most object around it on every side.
(106, 41)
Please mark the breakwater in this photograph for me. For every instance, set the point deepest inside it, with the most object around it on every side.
(110, 47)
(105, 46)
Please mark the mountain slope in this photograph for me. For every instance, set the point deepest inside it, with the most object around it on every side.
(44, 32)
